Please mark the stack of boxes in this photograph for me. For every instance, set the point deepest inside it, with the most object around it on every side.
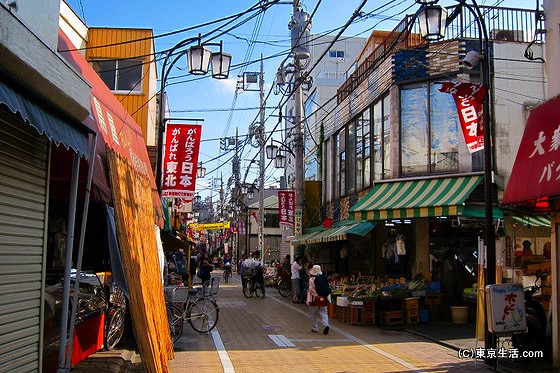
(411, 310)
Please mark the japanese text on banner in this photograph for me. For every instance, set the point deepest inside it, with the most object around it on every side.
(181, 160)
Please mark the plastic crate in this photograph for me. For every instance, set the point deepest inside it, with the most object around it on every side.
(433, 287)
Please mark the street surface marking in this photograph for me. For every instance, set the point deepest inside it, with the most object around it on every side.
(222, 352)
(280, 340)
(329, 340)
(396, 359)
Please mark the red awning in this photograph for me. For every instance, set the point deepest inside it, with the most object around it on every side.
(117, 127)
(536, 171)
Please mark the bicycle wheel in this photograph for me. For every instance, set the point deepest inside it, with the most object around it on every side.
(114, 327)
(175, 319)
(285, 288)
(203, 315)
(247, 289)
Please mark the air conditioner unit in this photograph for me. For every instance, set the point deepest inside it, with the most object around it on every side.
(507, 35)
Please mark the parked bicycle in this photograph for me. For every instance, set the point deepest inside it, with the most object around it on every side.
(251, 286)
(284, 283)
(192, 305)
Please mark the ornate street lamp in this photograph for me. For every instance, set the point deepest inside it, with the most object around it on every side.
(198, 59)
(275, 152)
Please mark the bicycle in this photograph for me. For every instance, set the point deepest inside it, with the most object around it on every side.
(251, 286)
(284, 284)
(227, 273)
(194, 305)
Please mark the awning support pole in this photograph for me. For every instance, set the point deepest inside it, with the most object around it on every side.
(81, 240)
(64, 337)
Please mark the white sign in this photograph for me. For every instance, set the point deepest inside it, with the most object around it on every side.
(506, 308)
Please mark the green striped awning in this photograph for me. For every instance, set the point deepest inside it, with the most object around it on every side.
(534, 221)
(338, 232)
(415, 198)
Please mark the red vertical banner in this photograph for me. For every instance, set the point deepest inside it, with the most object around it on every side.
(181, 160)
(469, 98)
(286, 207)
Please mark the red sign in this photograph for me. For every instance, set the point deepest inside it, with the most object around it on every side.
(469, 98)
(286, 207)
(536, 171)
(181, 160)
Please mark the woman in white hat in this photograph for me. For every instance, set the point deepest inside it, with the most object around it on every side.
(317, 303)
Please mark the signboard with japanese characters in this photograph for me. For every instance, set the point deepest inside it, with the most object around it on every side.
(536, 171)
(286, 207)
(469, 98)
(181, 160)
(506, 308)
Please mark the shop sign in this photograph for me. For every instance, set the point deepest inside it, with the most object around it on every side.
(181, 160)
(286, 207)
(469, 98)
(208, 227)
(536, 171)
(506, 308)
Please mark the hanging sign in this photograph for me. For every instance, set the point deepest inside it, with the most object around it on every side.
(469, 98)
(286, 207)
(181, 160)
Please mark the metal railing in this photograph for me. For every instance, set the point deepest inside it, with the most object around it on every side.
(503, 24)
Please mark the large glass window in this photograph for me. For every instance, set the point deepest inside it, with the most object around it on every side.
(341, 164)
(120, 75)
(381, 139)
(429, 131)
(351, 155)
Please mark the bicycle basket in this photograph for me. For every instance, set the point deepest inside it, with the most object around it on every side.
(176, 294)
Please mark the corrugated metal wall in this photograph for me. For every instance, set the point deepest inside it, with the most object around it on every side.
(23, 203)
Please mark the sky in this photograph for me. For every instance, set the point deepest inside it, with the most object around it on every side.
(265, 35)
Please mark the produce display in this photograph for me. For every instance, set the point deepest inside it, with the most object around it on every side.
(369, 288)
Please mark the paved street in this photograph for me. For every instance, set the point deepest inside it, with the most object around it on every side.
(274, 335)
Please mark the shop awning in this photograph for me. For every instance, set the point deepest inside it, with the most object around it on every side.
(339, 232)
(535, 173)
(119, 130)
(415, 198)
(55, 128)
(533, 221)
(471, 211)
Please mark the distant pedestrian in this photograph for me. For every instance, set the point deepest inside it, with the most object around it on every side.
(296, 267)
(317, 304)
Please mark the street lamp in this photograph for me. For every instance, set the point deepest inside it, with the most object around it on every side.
(275, 152)
(199, 57)
(431, 15)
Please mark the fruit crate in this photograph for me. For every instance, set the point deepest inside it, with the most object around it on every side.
(391, 317)
(353, 315)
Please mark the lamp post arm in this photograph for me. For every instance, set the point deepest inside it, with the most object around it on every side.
(161, 116)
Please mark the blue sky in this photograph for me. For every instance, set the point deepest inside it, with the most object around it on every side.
(268, 35)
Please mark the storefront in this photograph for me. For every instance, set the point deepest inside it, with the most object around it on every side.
(533, 192)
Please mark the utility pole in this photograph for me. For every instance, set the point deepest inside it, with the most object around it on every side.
(262, 139)
(300, 29)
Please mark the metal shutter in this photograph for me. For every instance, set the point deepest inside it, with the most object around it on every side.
(23, 206)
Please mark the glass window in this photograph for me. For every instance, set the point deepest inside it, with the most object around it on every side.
(414, 131)
(387, 143)
(336, 54)
(429, 131)
(351, 154)
(120, 75)
(444, 131)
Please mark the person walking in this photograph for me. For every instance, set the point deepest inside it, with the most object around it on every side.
(317, 303)
(296, 267)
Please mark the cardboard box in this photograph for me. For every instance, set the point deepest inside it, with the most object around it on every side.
(533, 268)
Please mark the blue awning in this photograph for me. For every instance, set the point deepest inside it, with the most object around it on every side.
(56, 129)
